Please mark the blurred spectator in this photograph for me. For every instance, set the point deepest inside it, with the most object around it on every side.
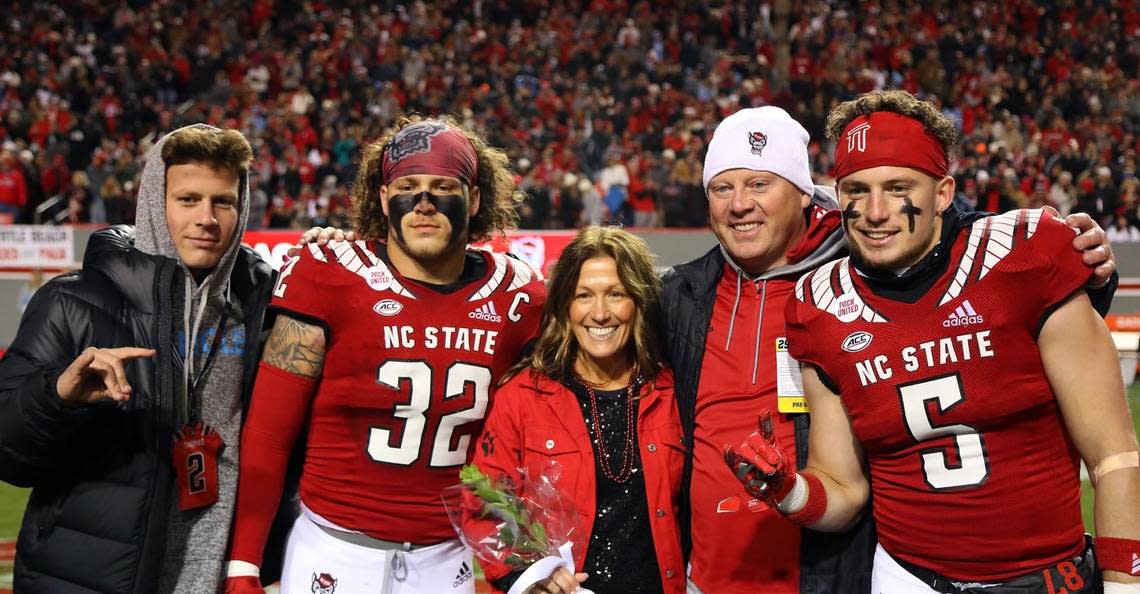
(13, 189)
(569, 202)
(1122, 229)
(117, 201)
(78, 198)
(1100, 198)
(593, 211)
(1063, 195)
(614, 182)
(55, 178)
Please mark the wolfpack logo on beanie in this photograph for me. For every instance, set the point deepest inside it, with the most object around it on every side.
(758, 140)
(761, 139)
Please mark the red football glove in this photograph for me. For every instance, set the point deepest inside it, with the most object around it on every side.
(759, 464)
(246, 584)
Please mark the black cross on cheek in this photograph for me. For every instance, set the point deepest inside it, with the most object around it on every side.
(911, 211)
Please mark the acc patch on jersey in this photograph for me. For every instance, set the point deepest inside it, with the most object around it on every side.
(388, 307)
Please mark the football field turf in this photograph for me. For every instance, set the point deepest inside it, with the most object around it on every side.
(12, 502)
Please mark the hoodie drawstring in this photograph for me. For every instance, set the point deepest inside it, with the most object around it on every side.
(191, 338)
(762, 286)
(735, 305)
(759, 330)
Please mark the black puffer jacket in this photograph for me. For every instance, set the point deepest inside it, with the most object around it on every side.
(101, 475)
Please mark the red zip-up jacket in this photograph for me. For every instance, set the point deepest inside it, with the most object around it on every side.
(535, 419)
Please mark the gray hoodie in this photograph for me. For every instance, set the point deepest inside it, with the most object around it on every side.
(197, 539)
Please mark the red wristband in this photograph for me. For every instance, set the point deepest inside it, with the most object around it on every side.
(816, 504)
(1118, 554)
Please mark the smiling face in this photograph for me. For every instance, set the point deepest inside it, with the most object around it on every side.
(892, 215)
(201, 214)
(757, 216)
(601, 316)
(428, 215)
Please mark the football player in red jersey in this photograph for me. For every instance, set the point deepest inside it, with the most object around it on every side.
(389, 348)
(962, 367)
(724, 337)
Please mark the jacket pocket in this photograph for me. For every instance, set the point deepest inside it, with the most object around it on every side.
(553, 452)
(672, 445)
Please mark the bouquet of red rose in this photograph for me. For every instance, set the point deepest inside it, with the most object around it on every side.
(517, 526)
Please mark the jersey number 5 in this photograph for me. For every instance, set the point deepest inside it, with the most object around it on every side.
(945, 393)
(419, 376)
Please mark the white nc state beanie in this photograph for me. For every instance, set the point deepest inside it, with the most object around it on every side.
(761, 139)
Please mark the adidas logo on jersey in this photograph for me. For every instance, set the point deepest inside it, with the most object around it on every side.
(464, 574)
(963, 316)
(487, 313)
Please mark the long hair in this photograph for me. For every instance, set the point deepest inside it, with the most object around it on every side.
(498, 193)
(556, 348)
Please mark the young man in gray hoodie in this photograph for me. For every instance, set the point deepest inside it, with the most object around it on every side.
(122, 396)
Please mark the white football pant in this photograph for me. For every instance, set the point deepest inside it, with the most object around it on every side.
(319, 563)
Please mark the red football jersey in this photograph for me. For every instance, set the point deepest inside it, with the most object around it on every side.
(407, 378)
(972, 472)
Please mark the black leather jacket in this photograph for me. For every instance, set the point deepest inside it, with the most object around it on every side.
(100, 473)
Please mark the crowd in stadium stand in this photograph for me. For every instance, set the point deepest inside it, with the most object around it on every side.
(604, 106)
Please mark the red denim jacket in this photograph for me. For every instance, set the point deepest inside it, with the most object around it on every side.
(535, 419)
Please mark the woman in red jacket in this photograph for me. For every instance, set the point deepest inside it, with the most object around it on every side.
(595, 397)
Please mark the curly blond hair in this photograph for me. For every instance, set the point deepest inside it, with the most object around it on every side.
(496, 182)
(901, 102)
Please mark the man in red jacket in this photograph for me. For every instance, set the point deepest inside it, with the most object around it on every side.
(13, 188)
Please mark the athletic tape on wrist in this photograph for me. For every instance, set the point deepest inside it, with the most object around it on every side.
(1119, 588)
(1115, 462)
(242, 569)
(816, 504)
(1118, 554)
(796, 499)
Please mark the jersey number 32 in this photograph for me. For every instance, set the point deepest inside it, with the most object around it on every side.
(419, 376)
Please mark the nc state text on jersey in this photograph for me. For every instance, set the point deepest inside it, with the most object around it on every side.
(475, 340)
(947, 350)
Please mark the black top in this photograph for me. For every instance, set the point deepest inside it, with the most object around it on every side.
(620, 558)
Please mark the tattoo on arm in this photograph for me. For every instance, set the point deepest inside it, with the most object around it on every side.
(295, 347)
